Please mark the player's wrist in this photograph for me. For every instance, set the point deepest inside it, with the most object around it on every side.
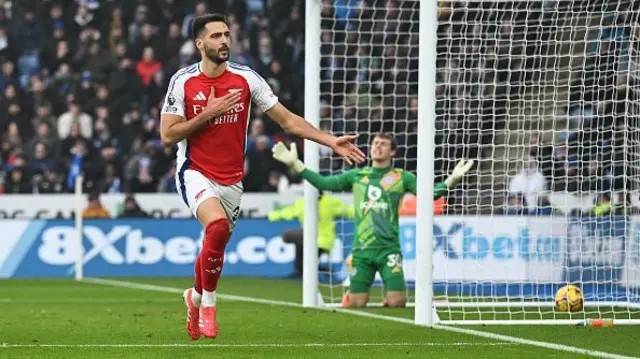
(297, 166)
(447, 182)
(451, 181)
(211, 113)
(332, 142)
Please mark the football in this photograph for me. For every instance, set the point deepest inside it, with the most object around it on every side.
(569, 299)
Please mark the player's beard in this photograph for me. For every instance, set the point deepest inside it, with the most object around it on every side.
(214, 55)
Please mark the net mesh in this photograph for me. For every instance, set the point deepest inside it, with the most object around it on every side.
(369, 84)
(545, 96)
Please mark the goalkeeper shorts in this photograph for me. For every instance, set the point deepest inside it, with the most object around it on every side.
(386, 261)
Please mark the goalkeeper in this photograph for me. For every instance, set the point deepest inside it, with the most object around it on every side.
(377, 192)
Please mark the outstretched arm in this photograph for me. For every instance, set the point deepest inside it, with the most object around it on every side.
(265, 99)
(325, 183)
(296, 125)
(411, 183)
(339, 182)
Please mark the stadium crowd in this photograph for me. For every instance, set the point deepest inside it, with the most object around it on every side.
(81, 84)
(589, 158)
(82, 81)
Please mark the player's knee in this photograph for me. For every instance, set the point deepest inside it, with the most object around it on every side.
(357, 304)
(217, 233)
(358, 300)
(397, 303)
(396, 299)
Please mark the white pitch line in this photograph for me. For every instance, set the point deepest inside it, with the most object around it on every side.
(547, 345)
(478, 333)
(159, 288)
(265, 345)
(132, 285)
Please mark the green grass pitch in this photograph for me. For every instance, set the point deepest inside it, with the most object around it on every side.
(65, 319)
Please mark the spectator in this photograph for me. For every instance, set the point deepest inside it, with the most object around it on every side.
(42, 160)
(83, 17)
(256, 129)
(131, 128)
(172, 46)
(258, 164)
(147, 39)
(94, 209)
(167, 184)
(30, 37)
(127, 84)
(74, 138)
(602, 206)
(85, 91)
(43, 115)
(58, 54)
(516, 205)
(544, 208)
(102, 136)
(74, 115)
(48, 182)
(101, 99)
(46, 137)
(8, 50)
(529, 181)
(139, 169)
(135, 28)
(12, 140)
(200, 9)
(148, 66)
(132, 209)
(8, 75)
(110, 183)
(17, 182)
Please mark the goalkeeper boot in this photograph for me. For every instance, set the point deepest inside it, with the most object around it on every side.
(346, 303)
(193, 314)
(208, 325)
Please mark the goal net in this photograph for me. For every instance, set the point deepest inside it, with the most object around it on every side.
(545, 95)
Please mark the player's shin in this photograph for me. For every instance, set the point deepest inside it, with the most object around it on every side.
(212, 259)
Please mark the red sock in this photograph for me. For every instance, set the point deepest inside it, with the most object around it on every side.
(216, 236)
(198, 272)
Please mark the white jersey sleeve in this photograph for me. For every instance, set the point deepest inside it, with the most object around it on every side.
(261, 93)
(174, 103)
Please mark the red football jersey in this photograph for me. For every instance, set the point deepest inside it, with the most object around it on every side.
(217, 149)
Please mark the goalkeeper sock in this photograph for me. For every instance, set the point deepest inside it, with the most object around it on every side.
(212, 261)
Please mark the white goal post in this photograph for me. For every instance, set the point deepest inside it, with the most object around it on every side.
(79, 201)
(544, 95)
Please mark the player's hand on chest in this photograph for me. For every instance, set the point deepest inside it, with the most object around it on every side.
(229, 104)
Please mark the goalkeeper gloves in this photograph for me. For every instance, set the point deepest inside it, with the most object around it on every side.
(288, 157)
(458, 172)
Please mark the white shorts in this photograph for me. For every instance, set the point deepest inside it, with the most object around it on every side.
(195, 188)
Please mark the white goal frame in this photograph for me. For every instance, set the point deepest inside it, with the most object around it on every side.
(425, 306)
